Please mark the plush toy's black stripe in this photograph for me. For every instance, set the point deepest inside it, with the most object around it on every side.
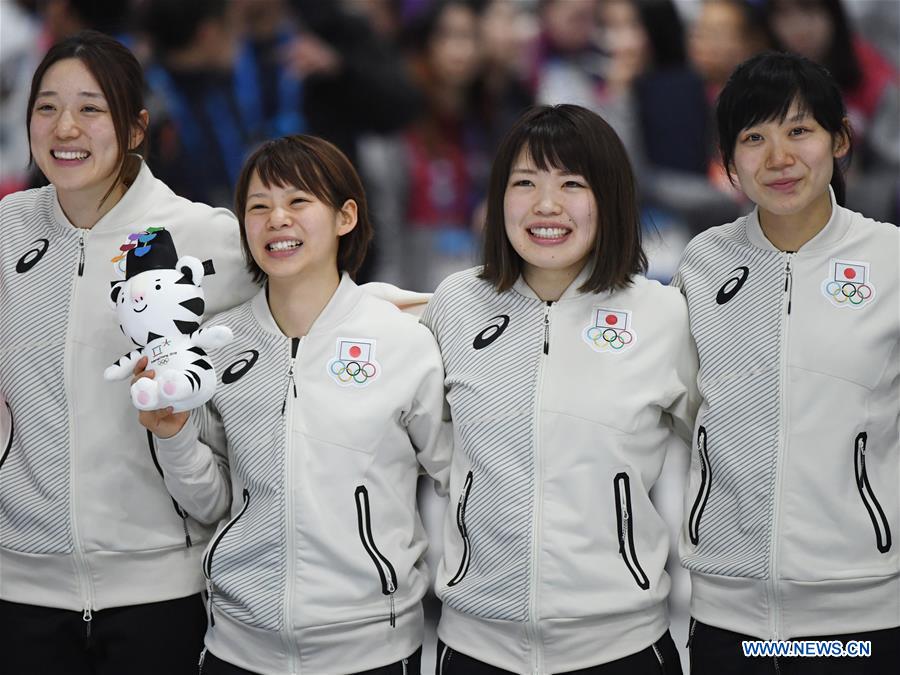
(187, 327)
(195, 305)
(202, 363)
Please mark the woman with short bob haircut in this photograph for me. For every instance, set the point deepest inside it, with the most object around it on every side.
(793, 507)
(568, 374)
(569, 136)
(331, 401)
(99, 567)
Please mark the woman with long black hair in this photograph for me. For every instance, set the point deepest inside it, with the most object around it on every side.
(99, 568)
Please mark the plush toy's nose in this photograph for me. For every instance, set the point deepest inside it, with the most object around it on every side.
(137, 295)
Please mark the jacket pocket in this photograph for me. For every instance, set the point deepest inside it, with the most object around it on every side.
(210, 551)
(876, 513)
(8, 445)
(703, 492)
(461, 524)
(625, 525)
(178, 510)
(386, 572)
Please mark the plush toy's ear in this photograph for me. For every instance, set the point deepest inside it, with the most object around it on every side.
(191, 270)
(114, 291)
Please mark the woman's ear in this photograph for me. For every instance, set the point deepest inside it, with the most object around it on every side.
(347, 217)
(139, 130)
(842, 139)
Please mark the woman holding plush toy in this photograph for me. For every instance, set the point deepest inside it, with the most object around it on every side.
(100, 569)
(330, 402)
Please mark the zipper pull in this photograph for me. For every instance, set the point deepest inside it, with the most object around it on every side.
(547, 327)
(393, 613)
(81, 254)
(291, 384)
(209, 593)
(788, 282)
(87, 616)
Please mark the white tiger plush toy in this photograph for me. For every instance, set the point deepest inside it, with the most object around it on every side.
(160, 306)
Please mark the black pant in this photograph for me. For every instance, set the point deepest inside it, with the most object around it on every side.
(213, 665)
(660, 658)
(159, 637)
(716, 651)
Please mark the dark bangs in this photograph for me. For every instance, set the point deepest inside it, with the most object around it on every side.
(764, 87)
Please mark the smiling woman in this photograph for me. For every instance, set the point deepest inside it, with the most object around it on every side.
(330, 406)
(772, 298)
(85, 513)
(568, 375)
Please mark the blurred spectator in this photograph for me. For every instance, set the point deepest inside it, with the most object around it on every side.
(820, 31)
(199, 132)
(501, 92)
(724, 34)
(657, 104)
(19, 56)
(369, 89)
(427, 180)
(567, 62)
(230, 74)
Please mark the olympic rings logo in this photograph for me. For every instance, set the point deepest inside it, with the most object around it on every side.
(612, 337)
(348, 372)
(847, 291)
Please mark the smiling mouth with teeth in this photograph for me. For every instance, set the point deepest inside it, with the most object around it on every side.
(70, 154)
(283, 245)
(548, 232)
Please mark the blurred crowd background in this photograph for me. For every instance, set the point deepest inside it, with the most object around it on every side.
(419, 92)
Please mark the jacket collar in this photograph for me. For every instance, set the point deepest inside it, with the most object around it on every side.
(131, 207)
(339, 307)
(522, 288)
(834, 230)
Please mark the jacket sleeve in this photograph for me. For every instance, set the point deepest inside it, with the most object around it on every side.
(428, 421)
(195, 466)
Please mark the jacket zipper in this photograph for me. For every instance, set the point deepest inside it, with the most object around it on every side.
(879, 520)
(659, 658)
(547, 327)
(81, 253)
(180, 511)
(295, 344)
(287, 414)
(85, 582)
(624, 515)
(773, 592)
(461, 524)
(533, 628)
(386, 571)
(703, 492)
(207, 560)
(9, 442)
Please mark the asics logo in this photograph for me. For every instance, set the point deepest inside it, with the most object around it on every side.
(732, 285)
(492, 332)
(239, 368)
(31, 257)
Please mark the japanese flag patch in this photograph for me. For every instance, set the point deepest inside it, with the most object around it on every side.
(848, 284)
(354, 362)
(610, 330)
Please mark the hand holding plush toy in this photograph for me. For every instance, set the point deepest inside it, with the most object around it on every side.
(160, 306)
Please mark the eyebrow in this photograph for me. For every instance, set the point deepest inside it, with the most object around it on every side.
(532, 172)
(86, 94)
